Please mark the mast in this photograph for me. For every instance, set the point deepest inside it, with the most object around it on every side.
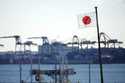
(99, 47)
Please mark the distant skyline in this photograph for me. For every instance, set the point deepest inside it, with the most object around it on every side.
(57, 19)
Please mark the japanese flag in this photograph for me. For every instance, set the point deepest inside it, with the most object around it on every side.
(87, 20)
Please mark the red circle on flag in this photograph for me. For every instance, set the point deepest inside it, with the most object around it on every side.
(86, 20)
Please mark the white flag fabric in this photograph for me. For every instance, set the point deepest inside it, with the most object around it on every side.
(87, 20)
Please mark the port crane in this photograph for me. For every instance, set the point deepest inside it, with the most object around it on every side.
(45, 42)
(29, 43)
(74, 43)
(107, 41)
(17, 40)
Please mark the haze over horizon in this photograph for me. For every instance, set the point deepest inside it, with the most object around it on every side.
(57, 19)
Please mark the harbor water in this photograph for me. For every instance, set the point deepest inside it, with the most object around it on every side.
(113, 73)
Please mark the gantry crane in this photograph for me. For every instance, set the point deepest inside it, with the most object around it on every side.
(17, 40)
(107, 41)
(104, 38)
(29, 43)
(44, 42)
(74, 43)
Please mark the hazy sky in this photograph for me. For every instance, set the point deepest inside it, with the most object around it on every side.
(57, 19)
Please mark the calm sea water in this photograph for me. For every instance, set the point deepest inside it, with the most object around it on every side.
(113, 73)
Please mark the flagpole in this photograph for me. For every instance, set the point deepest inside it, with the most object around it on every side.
(99, 48)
